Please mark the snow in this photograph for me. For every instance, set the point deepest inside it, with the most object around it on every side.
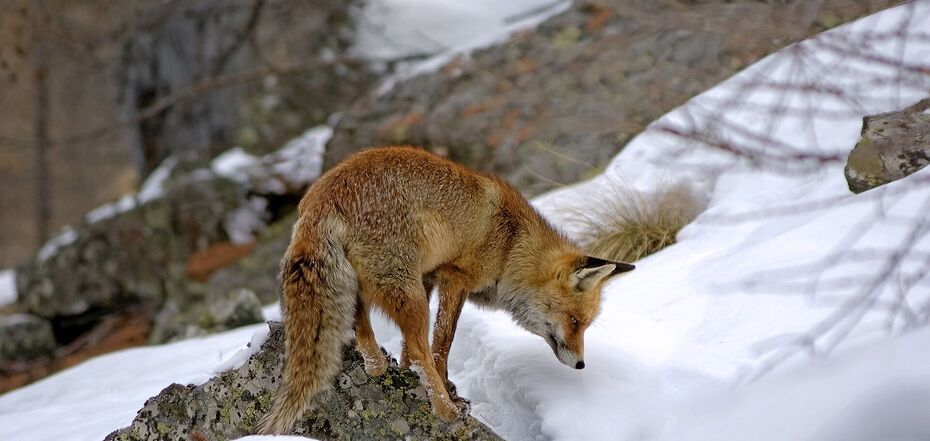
(301, 159)
(152, 188)
(441, 25)
(7, 286)
(440, 30)
(102, 394)
(294, 165)
(238, 358)
(290, 168)
(241, 223)
(66, 237)
(705, 340)
(877, 393)
(230, 163)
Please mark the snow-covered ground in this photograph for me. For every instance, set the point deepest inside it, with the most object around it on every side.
(434, 32)
(393, 29)
(7, 286)
(679, 339)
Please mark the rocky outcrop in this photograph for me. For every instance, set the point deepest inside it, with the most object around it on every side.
(554, 105)
(25, 337)
(232, 296)
(392, 406)
(129, 257)
(893, 145)
(259, 270)
(196, 310)
(185, 246)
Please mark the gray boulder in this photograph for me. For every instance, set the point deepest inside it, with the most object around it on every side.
(232, 296)
(127, 258)
(393, 406)
(555, 105)
(198, 310)
(893, 145)
(259, 270)
(25, 337)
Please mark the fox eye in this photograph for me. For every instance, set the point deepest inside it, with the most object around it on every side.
(574, 322)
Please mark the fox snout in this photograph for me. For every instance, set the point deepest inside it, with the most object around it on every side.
(571, 357)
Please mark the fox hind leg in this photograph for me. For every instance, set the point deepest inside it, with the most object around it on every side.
(409, 308)
(428, 285)
(375, 363)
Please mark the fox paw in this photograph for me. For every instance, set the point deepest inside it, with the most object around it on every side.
(375, 366)
(463, 405)
(450, 387)
(452, 410)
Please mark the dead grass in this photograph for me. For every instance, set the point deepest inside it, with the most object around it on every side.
(627, 225)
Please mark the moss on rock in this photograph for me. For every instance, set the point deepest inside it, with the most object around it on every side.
(229, 405)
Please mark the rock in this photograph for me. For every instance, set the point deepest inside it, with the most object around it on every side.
(238, 307)
(195, 310)
(194, 41)
(128, 258)
(160, 251)
(555, 104)
(259, 270)
(893, 145)
(229, 405)
(25, 337)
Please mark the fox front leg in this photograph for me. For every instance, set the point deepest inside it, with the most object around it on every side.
(452, 295)
(450, 307)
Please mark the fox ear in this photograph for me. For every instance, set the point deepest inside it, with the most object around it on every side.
(594, 270)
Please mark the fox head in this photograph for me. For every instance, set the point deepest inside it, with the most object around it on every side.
(560, 303)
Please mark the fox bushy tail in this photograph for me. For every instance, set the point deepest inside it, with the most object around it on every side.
(319, 292)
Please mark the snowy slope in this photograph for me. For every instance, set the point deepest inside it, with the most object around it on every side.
(678, 332)
(434, 32)
(392, 29)
(91, 400)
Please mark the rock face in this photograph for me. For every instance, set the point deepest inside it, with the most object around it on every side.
(199, 40)
(554, 105)
(129, 257)
(233, 295)
(893, 145)
(198, 310)
(393, 406)
(185, 246)
(25, 337)
(259, 270)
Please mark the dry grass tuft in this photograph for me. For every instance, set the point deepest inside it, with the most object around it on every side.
(628, 225)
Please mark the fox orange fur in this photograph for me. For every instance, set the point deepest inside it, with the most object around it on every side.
(381, 230)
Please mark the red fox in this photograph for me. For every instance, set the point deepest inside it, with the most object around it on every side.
(383, 228)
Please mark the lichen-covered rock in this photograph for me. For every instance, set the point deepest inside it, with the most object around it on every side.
(25, 337)
(893, 145)
(196, 310)
(127, 258)
(555, 105)
(393, 406)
